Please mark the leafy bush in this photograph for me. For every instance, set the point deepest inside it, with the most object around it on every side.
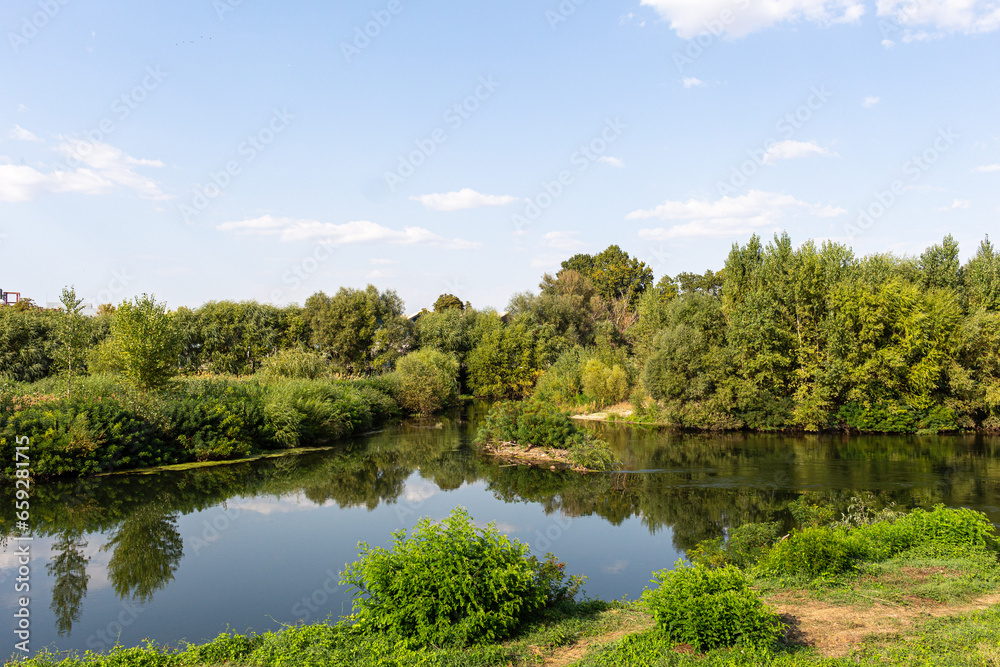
(562, 383)
(743, 548)
(314, 411)
(215, 420)
(80, 436)
(814, 552)
(533, 423)
(711, 608)
(295, 363)
(449, 583)
(427, 380)
(606, 384)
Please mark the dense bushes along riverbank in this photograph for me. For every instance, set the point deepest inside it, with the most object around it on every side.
(809, 338)
(108, 425)
(449, 593)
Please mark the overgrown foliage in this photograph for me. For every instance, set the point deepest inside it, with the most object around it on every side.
(711, 608)
(450, 583)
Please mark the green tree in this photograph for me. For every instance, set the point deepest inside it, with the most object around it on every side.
(448, 302)
(615, 274)
(27, 338)
(362, 331)
(427, 380)
(144, 344)
(508, 359)
(939, 265)
(982, 279)
(68, 570)
(73, 335)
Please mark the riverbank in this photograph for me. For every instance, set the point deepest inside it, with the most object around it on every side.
(107, 426)
(900, 629)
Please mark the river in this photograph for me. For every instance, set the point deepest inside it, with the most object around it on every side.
(184, 555)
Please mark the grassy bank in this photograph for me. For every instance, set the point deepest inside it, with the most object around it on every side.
(870, 588)
(107, 425)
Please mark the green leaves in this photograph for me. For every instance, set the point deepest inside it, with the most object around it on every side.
(711, 609)
(449, 583)
(144, 342)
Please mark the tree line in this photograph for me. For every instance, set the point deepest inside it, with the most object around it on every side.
(781, 337)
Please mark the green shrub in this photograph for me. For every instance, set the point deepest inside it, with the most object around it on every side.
(711, 608)
(427, 380)
(745, 545)
(813, 552)
(605, 384)
(562, 383)
(449, 583)
(295, 363)
(214, 420)
(543, 425)
(79, 436)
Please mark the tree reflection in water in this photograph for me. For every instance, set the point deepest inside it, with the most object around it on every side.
(146, 550)
(68, 570)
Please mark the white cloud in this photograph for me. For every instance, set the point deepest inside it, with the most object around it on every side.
(928, 19)
(958, 203)
(563, 241)
(870, 101)
(114, 165)
(613, 161)
(693, 82)
(986, 169)
(90, 168)
(383, 262)
(462, 199)
(790, 149)
(690, 18)
(22, 134)
(546, 261)
(729, 216)
(358, 231)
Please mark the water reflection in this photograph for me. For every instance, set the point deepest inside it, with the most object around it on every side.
(146, 550)
(69, 572)
(694, 486)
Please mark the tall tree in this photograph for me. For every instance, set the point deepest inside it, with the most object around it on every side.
(615, 274)
(144, 343)
(73, 335)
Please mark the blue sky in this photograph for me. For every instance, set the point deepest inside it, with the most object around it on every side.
(243, 149)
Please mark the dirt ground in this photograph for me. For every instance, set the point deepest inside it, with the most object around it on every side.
(836, 629)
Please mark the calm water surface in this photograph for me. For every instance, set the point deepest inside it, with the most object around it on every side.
(177, 556)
